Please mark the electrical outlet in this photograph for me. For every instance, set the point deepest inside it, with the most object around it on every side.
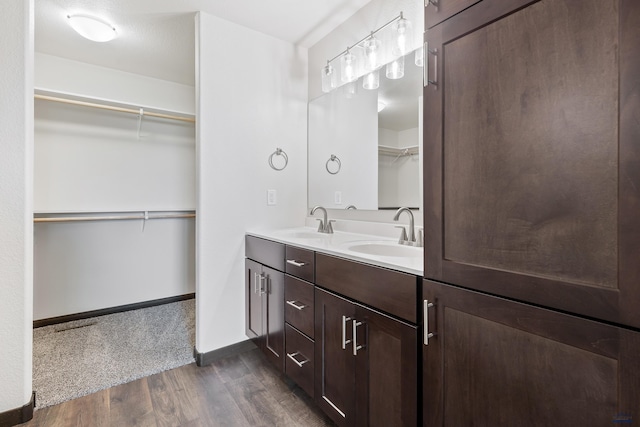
(337, 198)
(272, 199)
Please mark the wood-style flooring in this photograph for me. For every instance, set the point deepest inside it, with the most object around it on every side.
(240, 390)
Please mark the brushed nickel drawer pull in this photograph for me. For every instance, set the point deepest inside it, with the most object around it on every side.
(296, 263)
(293, 304)
(345, 319)
(292, 356)
(427, 334)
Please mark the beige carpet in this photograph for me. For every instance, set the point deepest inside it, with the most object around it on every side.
(77, 358)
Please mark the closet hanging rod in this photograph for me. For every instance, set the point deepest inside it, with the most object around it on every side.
(113, 108)
(127, 216)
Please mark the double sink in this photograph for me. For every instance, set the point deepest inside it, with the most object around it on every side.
(372, 249)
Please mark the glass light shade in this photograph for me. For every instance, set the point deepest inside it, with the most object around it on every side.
(372, 52)
(395, 69)
(403, 36)
(329, 80)
(348, 64)
(92, 28)
(419, 57)
(350, 89)
(372, 80)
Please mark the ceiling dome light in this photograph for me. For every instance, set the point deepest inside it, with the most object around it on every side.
(92, 28)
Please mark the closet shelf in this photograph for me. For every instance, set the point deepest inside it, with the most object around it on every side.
(112, 216)
(106, 104)
(396, 151)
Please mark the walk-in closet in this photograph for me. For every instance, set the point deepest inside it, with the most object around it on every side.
(114, 226)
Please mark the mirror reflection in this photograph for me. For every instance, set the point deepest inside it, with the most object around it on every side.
(376, 136)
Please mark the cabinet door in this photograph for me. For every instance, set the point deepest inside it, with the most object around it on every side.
(386, 370)
(273, 315)
(334, 360)
(253, 300)
(532, 154)
(496, 362)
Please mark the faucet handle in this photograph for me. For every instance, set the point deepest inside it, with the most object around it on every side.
(403, 234)
(321, 225)
(328, 227)
(420, 238)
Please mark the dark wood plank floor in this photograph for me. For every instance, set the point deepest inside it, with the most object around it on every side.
(241, 390)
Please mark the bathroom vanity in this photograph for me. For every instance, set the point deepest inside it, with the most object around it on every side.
(341, 322)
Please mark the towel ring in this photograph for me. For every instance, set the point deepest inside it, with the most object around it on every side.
(335, 159)
(278, 152)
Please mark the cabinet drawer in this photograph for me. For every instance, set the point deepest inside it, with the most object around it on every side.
(265, 251)
(300, 263)
(390, 291)
(298, 308)
(299, 363)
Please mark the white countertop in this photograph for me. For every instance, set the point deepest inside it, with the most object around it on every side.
(339, 242)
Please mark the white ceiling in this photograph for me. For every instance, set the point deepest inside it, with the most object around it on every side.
(156, 38)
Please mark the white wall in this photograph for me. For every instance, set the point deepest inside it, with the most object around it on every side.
(252, 99)
(16, 191)
(91, 160)
(347, 128)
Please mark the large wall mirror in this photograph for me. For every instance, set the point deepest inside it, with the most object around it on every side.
(364, 145)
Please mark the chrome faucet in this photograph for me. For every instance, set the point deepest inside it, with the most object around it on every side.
(325, 224)
(411, 240)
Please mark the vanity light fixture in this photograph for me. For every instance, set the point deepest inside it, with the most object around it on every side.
(348, 64)
(92, 28)
(371, 52)
(371, 81)
(350, 69)
(381, 106)
(403, 36)
(329, 80)
(395, 68)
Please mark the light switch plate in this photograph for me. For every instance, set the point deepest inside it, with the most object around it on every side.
(337, 198)
(272, 199)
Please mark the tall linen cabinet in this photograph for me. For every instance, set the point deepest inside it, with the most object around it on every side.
(532, 213)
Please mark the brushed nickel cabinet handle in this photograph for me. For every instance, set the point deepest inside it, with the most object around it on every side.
(427, 334)
(356, 347)
(345, 319)
(292, 356)
(293, 304)
(296, 263)
(434, 53)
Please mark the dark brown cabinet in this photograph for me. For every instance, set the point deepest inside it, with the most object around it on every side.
(495, 362)
(299, 317)
(532, 154)
(437, 11)
(264, 299)
(366, 364)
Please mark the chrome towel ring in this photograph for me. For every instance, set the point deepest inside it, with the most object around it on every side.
(278, 152)
(336, 160)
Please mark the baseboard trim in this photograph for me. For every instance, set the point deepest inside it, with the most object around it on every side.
(204, 359)
(110, 310)
(19, 415)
